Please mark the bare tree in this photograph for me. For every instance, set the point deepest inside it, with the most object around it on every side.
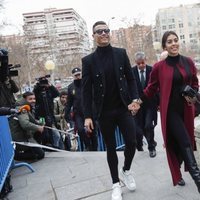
(135, 38)
(1, 8)
(16, 54)
(1, 4)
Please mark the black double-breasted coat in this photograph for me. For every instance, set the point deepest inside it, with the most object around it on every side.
(94, 84)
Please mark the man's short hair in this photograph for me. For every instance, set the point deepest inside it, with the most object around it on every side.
(63, 93)
(140, 55)
(98, 23)
(26, 94)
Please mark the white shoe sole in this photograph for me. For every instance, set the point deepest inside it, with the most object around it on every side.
(131, 189)
(117, 199)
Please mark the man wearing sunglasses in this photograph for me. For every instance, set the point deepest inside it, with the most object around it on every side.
(107, 80)
(146, 118)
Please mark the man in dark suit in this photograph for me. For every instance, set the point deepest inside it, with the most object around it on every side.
(146, 118)
(107, 81)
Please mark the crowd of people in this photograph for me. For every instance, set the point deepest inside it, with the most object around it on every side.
(108, 93)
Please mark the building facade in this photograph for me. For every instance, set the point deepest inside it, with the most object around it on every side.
(185, 21)
(56, 34)
(135, 38)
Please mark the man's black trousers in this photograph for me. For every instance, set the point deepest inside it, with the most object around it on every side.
(108, 122)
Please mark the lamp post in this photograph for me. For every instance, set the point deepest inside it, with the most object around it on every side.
(50, 66)
(110, 20)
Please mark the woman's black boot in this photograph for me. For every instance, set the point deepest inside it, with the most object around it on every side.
(192, 166)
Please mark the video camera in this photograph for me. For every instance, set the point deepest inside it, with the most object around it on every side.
(6, 70)
(43, 80)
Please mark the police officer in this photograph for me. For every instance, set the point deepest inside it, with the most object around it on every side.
(74, 101)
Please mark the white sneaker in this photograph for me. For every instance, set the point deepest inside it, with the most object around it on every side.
(127, 178)
(116, 192)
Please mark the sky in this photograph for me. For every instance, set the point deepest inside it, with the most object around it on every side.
(116, 13)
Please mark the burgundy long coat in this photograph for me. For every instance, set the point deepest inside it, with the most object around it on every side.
(161, 79)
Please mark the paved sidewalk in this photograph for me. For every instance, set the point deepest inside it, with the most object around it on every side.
(85, 175)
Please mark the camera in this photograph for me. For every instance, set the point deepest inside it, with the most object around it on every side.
(188, 91)
(6, 70)
(43, 80)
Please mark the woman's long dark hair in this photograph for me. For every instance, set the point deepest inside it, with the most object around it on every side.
(165, 36)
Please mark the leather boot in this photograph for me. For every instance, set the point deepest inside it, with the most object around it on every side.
(192, 166)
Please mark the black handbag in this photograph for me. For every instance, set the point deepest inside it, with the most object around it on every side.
(188, 91)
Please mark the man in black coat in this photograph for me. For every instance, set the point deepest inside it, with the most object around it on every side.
(45, 93)
(107, 81)
(146, 118)
(7, 89)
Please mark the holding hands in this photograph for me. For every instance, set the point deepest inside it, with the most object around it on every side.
(134, 106)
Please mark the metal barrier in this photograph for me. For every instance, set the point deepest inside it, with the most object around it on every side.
(6, 150)
(101, 144)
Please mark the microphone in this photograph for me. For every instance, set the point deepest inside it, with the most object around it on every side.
(24, 107)
(12, 111)
(7, 111)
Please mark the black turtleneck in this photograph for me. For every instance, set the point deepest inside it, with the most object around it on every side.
(176, 100)
(112, 98)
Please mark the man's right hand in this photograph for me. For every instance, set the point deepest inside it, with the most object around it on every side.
(89, 124)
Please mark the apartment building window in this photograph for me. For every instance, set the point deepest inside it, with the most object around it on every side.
(164, 28)
(194, 47)
(181, 25)
(182, 37)
(193, 41)
(172, 20)
(190, 35)
(171, 26)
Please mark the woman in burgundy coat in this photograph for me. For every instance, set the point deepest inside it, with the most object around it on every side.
(170, 76)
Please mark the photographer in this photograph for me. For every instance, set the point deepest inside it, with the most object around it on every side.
(7, 88)
(44, 109)
(7, 85)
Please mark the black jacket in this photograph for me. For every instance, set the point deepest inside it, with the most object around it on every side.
(94, 85)
(148, 104)
(44, 106)
(7, 89)
(73, 99)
